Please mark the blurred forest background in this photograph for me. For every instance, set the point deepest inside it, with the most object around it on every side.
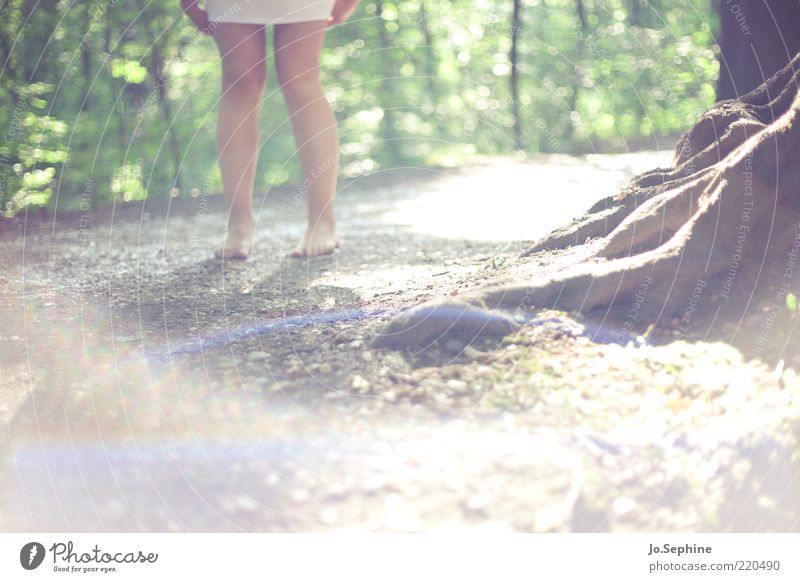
(108, 100)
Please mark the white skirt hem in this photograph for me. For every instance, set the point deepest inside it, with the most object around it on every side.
(268, 12)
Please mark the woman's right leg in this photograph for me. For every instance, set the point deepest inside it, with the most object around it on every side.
(244, 74)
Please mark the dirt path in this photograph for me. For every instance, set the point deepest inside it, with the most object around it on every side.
(146, 386)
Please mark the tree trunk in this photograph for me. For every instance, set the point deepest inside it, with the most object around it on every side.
(160, 89)
(635, 12)
(513, 57)
(429, 52)
(117, 104)
(388, 129)
(707, 248)
(86, 69)
(577, 82)
(757, 39)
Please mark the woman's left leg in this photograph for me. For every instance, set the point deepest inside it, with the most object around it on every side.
(297, 48)
(243, 53)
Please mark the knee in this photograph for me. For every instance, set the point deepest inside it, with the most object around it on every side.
(299, 87)
(244, 85)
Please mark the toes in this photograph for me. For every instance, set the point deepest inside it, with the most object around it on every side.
(320, 251)
(236, 254)
(307, 250)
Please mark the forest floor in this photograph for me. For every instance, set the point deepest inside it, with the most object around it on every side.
(147, 386)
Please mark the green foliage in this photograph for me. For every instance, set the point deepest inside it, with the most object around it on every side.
(123, 95)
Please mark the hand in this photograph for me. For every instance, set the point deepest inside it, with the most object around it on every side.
(198, 15)
(342, 10)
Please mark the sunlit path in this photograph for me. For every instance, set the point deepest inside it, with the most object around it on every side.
(146, 386)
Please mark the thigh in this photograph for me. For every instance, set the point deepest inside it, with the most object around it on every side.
(242, 49)
(297, 48)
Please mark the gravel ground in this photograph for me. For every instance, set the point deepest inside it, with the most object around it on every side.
(146, 386)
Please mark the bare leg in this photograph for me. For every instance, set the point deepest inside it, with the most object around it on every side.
(297, 48)
(243, 79)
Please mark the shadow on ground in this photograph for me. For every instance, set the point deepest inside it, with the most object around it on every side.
(146, 387)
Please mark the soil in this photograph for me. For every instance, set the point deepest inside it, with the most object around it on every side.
(147, 386)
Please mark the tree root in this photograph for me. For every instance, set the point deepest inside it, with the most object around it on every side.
(717, 234)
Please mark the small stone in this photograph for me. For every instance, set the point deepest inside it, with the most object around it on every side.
(256, 356)
(457, 385)
(476, 502)
(366, 356)
(360, 384)
(472, 353)
(329, 515)
(334, 395)
(325, 368)
(454, 345)
(248, 504)
(293, 364)
(549, 518)
(300, 495)
(278, 387)
(623, 505)
(374, 483)
(355, 344)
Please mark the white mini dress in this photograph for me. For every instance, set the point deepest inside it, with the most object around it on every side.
(268, 11)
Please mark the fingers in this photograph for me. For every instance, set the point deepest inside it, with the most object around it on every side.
(341, 12)
(337, 19)
(198, 16)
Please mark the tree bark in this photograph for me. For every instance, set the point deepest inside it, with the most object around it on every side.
(513, 57)
(429, 62)
(580, 49)
(160, 88)
(757, 39)
(388, 128)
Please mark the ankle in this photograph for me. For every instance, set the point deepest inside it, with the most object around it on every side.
(240, 222)
(322, 220)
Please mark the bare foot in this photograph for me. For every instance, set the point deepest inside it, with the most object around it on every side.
(320, 239)
(237, 245)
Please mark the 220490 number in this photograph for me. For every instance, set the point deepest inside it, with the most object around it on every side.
(758, 565)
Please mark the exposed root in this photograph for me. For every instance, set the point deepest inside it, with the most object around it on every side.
(719, 232)
(656, 220)
(715, 136)
(419, 328)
